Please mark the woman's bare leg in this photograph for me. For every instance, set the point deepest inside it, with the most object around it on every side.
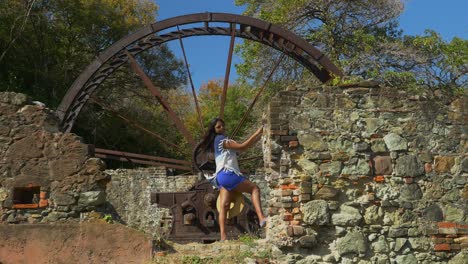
(250, 187)
(225, 197)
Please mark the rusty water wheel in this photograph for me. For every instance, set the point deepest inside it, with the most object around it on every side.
(201, 24)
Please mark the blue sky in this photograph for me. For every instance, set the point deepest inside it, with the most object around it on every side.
(207, 56)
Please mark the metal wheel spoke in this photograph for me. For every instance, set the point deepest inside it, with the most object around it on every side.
(134, 123)
(200, 118)
(157, 93)
(228, 70)
(260, 91)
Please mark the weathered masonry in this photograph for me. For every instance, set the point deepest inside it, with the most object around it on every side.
(368, 173)
(357, 175)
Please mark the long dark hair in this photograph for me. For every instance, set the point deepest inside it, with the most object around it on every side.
(206, 147)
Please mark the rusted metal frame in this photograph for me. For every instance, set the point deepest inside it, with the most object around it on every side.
(200, 119)
(228, 70)
(139, 156)
(120, 58)
(260, 91)
(134, 123)
(157, 93)
(70, 106)
(112, 157)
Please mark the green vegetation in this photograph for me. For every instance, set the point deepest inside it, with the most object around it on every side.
(364, 39)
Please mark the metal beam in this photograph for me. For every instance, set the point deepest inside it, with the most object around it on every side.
(157, 93)
(197, 107)
(228, 70)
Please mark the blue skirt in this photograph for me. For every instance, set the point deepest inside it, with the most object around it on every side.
(229, 180)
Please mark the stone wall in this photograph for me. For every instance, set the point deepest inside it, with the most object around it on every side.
(129, 191)
(36, 159)
(367, 174)
(35, 156)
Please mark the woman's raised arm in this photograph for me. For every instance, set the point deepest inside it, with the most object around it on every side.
(231, 144)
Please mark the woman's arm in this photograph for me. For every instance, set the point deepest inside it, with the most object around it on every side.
(231, 144)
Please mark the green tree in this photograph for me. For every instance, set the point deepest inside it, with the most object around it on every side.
(44, 45)
(363, 38)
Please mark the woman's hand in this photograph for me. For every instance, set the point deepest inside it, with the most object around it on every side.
(259, 131)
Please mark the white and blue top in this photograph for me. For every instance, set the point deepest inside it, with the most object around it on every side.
(226, 159)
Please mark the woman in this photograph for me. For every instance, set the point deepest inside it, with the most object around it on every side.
(228, 176)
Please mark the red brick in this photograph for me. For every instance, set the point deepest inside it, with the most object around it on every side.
(462, 226)
(292, 186)
(442, 247)
(25, 206)
(379, 179)
(427, 167)
(408, 180)
(287, 217)
(293, 144)
(446, 224)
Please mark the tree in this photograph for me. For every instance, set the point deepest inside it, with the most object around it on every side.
(363, 38)
(44, 45)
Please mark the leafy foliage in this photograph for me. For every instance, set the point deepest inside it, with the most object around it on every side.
(44, 45)
(363, 38)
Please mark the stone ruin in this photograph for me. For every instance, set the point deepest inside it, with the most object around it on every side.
(366, 174)
(356, 174)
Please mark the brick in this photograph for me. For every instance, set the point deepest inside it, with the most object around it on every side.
(408, 180)
(462, 226)
(438, 240)
(292, 186)
(296, 210)
(446, 224)
(293, 144)
(288, 138)
(305, 197)
(295, 199)
(25, 206)
(448, 231)
(462, 231)
(463, 239)
(286, 192)
(463, 245)
(379, 179)
(290, 231)
(431, 231)
(455, 246)
(295, 223)
(287, 217)
(279, 132)
(273, 211)
(442, 247)
(298, 217)
(297, 229)
(427, 167)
